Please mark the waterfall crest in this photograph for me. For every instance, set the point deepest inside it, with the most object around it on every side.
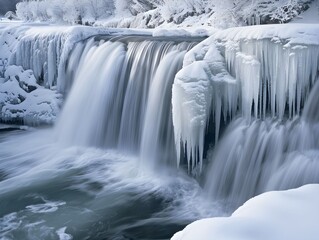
(121, 96)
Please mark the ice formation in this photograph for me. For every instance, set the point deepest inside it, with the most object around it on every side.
(202, 87)
(41, 52)
(248, 71)
(233, 72)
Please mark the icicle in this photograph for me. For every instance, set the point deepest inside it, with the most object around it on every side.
(248, 73)
(275, 76)
(199, 89)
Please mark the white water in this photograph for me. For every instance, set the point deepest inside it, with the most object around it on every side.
(121, 98)
(89, 192)
(157, 137)
(265, 155)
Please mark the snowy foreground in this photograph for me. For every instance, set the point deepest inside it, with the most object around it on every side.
(291, 214)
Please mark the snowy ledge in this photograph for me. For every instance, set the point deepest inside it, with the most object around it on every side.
(306, 34)
(291, 214)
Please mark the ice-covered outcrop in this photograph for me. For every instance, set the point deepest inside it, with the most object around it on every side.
(43, 51)
(256, 71)
(202, 87)
(289, 214)
(23, 100)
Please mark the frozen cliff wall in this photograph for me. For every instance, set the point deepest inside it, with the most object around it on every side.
(254, 72)
(32, 70)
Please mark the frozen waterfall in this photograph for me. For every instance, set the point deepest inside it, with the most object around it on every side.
(230, 75)
(237, 111)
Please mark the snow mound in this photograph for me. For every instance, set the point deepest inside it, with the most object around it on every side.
(23, 100)
(264, 217)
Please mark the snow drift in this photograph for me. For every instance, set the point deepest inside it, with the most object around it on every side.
(289, 214)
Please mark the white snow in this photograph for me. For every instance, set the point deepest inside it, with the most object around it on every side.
(23, 100)
(291, 214)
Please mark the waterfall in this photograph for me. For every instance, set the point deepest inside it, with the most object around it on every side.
(157, 137)
(265, 155)
(121, 96)
(128, 91)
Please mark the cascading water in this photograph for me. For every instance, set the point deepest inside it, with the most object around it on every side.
(129, 97)
(265, 155)
(119, 103)
(126, 98)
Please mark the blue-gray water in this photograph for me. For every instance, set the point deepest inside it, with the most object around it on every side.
(51, 192)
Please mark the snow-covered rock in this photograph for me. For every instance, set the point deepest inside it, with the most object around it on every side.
(22, 100)
(291, 214)
(33, 60)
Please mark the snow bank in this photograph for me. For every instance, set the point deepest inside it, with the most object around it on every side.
(23, 100)
(185, 32)
(236, 71)
(306, 34)
(291, 214)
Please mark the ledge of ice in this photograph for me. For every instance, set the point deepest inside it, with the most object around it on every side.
(264, 217)
(235, 71)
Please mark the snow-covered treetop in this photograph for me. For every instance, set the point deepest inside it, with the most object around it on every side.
(153, 13)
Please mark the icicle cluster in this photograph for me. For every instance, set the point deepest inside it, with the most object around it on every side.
(42, 55)
(275, 76)
(253, 74)
(202, 87)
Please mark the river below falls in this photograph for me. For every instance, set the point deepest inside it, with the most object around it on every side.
(48, 191)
